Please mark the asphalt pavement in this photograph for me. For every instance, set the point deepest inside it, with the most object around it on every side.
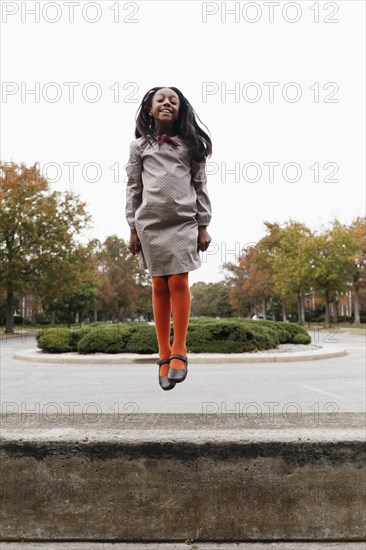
(328, 385)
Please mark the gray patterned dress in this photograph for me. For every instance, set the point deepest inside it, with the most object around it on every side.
(166, 201)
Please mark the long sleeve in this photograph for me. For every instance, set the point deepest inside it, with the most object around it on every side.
(199, 180)
(134, 184)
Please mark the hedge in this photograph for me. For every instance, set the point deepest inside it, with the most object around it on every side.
(204, 335)
(54, 340)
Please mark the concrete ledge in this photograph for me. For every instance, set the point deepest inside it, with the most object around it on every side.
(281, 355)
(172, 478)
(183, 546)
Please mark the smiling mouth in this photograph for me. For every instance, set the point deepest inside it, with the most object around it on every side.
(166, 111)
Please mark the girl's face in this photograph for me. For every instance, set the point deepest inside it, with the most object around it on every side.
(164, 107)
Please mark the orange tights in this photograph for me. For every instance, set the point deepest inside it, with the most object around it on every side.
(171, 292)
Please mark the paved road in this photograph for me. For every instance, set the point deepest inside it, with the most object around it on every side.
(329, 385)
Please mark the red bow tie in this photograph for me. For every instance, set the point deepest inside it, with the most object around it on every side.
(164, 138)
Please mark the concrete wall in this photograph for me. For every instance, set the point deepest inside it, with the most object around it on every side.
(187, 476)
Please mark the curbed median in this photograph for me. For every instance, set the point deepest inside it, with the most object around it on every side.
(284, 353)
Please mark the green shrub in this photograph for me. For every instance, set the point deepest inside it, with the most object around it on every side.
(293, 330)
(76, 335)
(54, 340)
(220, 336)
(263, 337)
(205, 335)
(278, 327)
(301, 339)
(206, 319)
(143, 339)
(107, 339)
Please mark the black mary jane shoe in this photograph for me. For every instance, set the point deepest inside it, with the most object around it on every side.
(164, 383)
(178, 375)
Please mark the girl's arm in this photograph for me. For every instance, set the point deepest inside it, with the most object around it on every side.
(203, 203)
(134, 184)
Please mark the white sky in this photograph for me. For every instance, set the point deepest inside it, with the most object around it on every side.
(169, 44)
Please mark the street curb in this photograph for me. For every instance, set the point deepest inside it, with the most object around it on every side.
(37, 356)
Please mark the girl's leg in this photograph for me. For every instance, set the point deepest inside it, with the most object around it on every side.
(162, 309)
(181, 306)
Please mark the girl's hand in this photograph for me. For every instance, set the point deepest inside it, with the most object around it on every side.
(134, 245)
(204, 238)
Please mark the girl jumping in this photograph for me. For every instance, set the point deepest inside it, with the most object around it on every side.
(168, 210)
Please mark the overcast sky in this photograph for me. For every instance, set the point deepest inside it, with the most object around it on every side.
(297, 70)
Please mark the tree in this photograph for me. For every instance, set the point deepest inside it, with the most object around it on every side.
(123, 286)
(291, 268)
(210, 299)
(273, 269)
(333, 264)
(357, 232)
(251, 281)
(73, 290)
(37, 231)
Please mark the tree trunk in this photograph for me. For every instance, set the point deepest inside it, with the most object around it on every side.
(264, 308)
(284, 316)
(9, 328)
(53, 316)
(327, 307)
(302, 308)
(95, 315)
(34, 309)
(335, 312)
(298, 307)
(357, 319)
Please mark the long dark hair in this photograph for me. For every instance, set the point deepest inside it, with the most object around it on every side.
(198, 142)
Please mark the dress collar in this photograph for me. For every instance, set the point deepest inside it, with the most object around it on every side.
(164, 138)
